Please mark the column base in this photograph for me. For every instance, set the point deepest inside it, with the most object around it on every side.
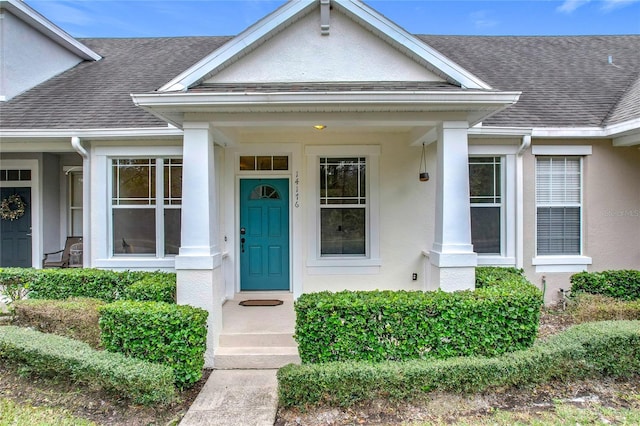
(204, 288)
(453, 279)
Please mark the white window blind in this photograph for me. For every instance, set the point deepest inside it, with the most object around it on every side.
(558, 202)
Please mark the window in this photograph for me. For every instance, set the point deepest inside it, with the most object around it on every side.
(146, 198)
(485, 184)
(558, 205)
(75, 203)
(264, 162)
(343, 206)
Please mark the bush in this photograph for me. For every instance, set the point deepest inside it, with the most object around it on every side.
(595, 307)
(174, 335)
(593, 350)
(153, 288)
(50, 355)
(14, 283)
(502, 315)
(75, 318)
(62, 284)
(620, 284)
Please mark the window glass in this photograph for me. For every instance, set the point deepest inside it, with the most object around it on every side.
(172, 226)
(134, 231)
(343, 206)
(134, 181)
(485, 188)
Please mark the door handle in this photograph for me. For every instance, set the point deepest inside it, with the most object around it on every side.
(242, 241)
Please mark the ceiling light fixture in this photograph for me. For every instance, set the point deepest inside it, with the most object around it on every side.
(319, 127)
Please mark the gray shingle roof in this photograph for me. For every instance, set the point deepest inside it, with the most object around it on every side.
(96, 94)
(566, 81)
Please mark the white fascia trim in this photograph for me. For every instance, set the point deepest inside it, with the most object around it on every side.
(411, 43)
(458, 98)
(500, 132)
(122, 133)
(631, 126)
(235, 46)
(46, 27)
(561, 150)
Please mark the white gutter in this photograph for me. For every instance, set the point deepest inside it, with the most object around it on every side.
(86, 200)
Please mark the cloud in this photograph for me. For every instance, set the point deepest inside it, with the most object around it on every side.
(568, 6)
(483, 19)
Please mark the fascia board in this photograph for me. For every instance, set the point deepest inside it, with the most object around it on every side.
(235, 46)
(42, 24)
(461, 99)
(121, 133)
(408, 41)
(500, 131)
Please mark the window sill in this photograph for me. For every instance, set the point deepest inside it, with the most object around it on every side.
(135, 263)
(493, 260)
(561, 263)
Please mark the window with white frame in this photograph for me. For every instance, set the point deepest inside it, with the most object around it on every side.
(146, 203)
(487, 204)
(558, 205)
(75, 203)
(343, 206)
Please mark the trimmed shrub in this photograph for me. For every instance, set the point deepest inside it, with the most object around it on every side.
(620, 284)
(15, 283)
(174, 335)
(62, 284)
(502, 315)
(76, 318)
(51, 355)
(153, 288)
(592, 350)
(595, 307)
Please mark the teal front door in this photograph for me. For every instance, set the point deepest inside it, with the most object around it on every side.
(264, 234)
(15, 235)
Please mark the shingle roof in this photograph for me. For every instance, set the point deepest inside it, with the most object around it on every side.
(96, 94)
(566, 81)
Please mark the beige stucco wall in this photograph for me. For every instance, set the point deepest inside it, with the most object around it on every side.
(611, 211)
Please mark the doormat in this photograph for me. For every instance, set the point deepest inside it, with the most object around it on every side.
(261, 302)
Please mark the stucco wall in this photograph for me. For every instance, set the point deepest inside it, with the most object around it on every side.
(27, 57)
(611, 211)
(301, 54)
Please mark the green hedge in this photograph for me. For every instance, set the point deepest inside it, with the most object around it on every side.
(51, 355)
(154, 288)
(174, 335)
(502, 315)
(621, 284)
(592, 350)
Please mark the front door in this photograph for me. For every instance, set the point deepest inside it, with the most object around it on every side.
(15, 235)
(264, 234)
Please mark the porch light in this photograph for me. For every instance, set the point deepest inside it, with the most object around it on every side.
(319, 127)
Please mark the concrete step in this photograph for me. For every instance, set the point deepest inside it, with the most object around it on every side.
(264, 339)
(229, 358)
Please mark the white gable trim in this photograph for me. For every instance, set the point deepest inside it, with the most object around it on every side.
(21, 10)
(441, 64)
(245, 40)
(293, 10)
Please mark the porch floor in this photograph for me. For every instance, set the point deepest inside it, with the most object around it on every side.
(257, 336)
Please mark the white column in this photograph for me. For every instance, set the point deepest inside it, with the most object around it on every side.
(452, 258)
(198, 265)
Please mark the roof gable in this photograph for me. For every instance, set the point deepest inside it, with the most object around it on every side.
(407, 53)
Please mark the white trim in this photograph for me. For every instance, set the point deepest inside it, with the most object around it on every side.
(496, 261)
(37, 231)
(563, 150)
(21, 10)
(368, 264)
(561, 263)
(115, 133)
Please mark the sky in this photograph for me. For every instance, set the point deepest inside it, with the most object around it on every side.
(168, 18)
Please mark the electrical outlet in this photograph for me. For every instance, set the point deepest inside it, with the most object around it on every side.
(414, 277)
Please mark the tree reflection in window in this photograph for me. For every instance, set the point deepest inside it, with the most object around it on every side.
(264, 192)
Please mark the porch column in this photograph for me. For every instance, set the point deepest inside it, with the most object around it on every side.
(198, 264)
(452, 258)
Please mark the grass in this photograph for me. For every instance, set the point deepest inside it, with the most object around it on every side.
(561, 414)
(12, 413)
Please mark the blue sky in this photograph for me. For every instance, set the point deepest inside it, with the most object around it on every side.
(153, 18)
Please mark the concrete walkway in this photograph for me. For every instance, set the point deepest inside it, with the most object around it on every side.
(236, 397)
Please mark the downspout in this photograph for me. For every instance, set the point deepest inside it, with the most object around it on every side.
(86, 200)
(526, 143)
